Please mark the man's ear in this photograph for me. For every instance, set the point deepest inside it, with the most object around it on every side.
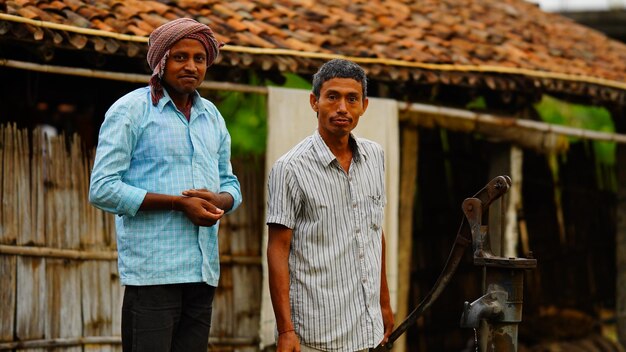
(313, 101)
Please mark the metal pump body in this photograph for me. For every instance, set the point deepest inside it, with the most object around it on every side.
(499, 310)
(497, 314)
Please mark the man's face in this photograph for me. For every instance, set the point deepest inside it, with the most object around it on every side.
(185, 67)
(339, 107)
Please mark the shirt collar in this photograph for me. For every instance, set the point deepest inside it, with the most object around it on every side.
(326, 156)
(197, 106)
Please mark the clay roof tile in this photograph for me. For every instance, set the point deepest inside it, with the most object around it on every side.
(98, 24)
(75, 19)
(250, 39)
(28, 13)
(153, 19)
(507, 33)
(225, 12)
(133, 29)
(59, 5)
(74, 4)
(145, 26)
(157, 7)
(23, 3)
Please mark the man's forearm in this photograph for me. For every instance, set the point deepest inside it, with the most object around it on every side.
(278, 275)
(279, 293)
(384, 288)
(155, 201)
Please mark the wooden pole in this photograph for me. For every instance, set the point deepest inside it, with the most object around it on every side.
(8, 270)
(37, 188)
(9, 196)
(620, 245)
(408, 186)
(7, 264)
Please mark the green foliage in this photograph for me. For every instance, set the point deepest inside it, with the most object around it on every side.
(554, 111)
(246, 115)
(246, 119)
(477, 104)
(294, 81)
(593, 118)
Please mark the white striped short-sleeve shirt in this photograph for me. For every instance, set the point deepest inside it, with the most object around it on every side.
(336, 246)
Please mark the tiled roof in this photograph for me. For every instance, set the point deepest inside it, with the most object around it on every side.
(466, 42)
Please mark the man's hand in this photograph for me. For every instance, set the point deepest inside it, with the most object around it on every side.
(222, 200)
(288, 342)
(278, 244)
(200, 211)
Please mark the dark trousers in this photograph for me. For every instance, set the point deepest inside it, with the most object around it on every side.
(167, 317)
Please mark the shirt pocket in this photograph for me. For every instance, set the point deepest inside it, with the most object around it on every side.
(375, 209)
(159, 140)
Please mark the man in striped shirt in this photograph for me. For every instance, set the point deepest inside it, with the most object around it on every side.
(163, 166)
(325, 213)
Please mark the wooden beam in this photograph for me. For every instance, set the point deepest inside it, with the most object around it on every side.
(57, 253)
(124, 77)
(112, 340)
(536, 135)
(74, 254)
(525, 133)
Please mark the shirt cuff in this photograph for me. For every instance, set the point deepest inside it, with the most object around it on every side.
(236, 197)
(280, 220)
(132, 200)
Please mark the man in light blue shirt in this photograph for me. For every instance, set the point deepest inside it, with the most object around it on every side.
(163, 166)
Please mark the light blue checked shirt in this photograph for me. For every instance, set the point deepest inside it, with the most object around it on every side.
(144, 148)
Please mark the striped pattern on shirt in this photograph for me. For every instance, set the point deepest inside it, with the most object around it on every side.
(336, 246)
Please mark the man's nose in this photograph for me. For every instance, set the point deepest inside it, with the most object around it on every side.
(342, 107)
(191, 65)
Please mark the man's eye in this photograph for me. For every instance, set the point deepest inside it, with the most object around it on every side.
(200, 59)
(352, 99)
(179, 57)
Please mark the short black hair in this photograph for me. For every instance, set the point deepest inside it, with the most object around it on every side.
(339, 68)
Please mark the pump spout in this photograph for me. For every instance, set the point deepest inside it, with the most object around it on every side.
(490, 307)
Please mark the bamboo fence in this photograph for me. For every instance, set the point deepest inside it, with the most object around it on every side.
(59, 284)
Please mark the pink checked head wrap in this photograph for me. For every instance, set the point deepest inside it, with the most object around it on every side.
(165, 36)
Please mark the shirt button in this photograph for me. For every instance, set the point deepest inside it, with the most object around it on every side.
(354, 205)
(358, 230)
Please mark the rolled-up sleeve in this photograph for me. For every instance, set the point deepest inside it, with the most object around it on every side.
(107, 191)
